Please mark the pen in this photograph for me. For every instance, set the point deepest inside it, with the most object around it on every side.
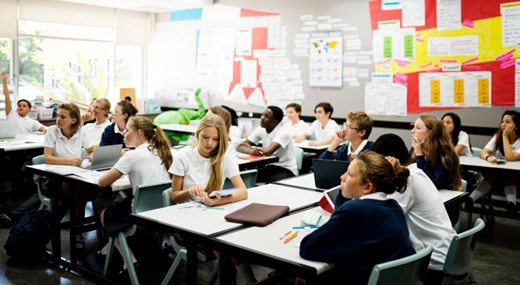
(291, 237)
(305, 227)
(186, 207)
(286, 234)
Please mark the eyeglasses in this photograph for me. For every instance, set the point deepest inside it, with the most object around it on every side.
(125, 131)
(345, 126)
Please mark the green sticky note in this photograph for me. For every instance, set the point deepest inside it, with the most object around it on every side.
(408, 46)
(387, 47)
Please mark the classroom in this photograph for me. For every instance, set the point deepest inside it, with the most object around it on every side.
(400, 63)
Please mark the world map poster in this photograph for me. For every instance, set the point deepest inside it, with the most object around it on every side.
(325, 59)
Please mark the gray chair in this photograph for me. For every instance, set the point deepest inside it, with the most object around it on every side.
(46, 202)
(464, 188)
(146, 197)
(407, 270)
(298, 154)
(182, 253)
(457, 266)
(248, 176)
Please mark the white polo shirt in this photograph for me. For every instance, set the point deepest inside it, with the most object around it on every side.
(26, 125)
(515, 147)
(142, 166)
(95, 131)
(63, 147)
(285, 153)
(297, 129)
(426, 216)
(318, 133)
(196, 169)
(464, 140)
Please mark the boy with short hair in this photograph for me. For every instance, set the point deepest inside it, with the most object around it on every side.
(323, 128)
(356, 131)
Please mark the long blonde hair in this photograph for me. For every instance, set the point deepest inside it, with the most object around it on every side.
(155, 137)
(216, 156)
(440, 149)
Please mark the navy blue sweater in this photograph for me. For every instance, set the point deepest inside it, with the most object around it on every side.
(341, 153)
(359, 235)
(109, 137)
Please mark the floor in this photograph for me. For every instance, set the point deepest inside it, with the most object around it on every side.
(496, 260)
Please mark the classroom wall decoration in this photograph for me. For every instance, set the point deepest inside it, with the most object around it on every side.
(326, 59)
(449, 53)
(231, 53)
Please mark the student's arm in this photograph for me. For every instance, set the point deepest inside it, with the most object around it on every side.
(438, 174)
(238, 196)
(50, 158)
(42, 129)
(268, 151)
(90, 151)
(8, 104)
(459, 148)
(180, 195)
(300, 138)
(487, 154)
(247, 147)
(109, 177)
(509, 154)
(325, 141)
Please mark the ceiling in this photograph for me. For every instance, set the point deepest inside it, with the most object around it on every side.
(152, 6)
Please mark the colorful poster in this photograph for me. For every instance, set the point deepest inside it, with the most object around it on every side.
(325, 59)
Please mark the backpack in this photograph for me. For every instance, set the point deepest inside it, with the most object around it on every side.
(28, 238)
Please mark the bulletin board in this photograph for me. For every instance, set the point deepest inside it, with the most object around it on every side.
(460, 54)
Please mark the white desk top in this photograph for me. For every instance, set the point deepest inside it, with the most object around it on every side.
(305, 181)
(185, 216)
(81, 174)
(189, 129)
(271, 244)
(478, 162)
(305, 146)
(22, 142)
(448, 195)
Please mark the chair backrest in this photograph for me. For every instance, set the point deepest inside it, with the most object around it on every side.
(248, 176)
(475, 151)
(460, 253)
(39, 159)
(298, 154)
(407, 270)
(149, 197)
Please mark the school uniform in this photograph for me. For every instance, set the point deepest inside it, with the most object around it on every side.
(196, 169)
(360, 234)
(64, 147)
(297, 129)
(515, 147)
(111, 135)
(464, 140)
(95, 131)
(143, 167)
(319, 133)
(26, 125)
(286, 165)
(345, 151)
(235, 137)
(427, 219)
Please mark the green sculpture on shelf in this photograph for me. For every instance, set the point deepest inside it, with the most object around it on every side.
(181, 116)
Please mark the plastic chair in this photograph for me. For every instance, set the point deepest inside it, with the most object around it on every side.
(464, 188)
(182, 253)
(407, 270)
(248, 176)
(457, 266)
(146, 197)
(46, 202)
(298, 154)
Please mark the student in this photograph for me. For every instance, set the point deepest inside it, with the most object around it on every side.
(26, 125)
(88, 116)
(275, 141)
(62, 145)
(323, 128)
(148, 163)
(113, 134)
(100, 111)
(426, 216)
(459, 138)
(235, 139)
(294, 125)
(505, 144)
(234, 131)
(367, 230)
(197, 171)
(200, 170)
(356, 132)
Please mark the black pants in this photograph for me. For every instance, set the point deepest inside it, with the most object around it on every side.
(272, 173)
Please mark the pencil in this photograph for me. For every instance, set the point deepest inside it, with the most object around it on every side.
(290, 237)
(286, 234)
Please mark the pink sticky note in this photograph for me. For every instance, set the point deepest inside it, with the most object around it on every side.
(468, 23)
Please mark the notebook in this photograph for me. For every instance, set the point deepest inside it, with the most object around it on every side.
(104, 157)
(327, 201)
(327, 172)
(8, 129)
(257, 214)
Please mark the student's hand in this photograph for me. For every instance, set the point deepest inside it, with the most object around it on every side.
(214, 201)
(3, 76)
(196, 191)
(75, 161)
(257, 151)
(510, 129)
(492, 159)
(393, 161)
(417, 146)
(298, 139)
(87, 116)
